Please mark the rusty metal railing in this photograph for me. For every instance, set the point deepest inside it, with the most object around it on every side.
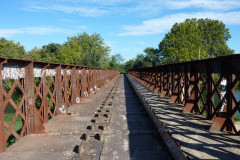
(204, 87)
(34, 92)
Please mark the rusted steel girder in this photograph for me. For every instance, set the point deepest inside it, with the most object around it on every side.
(59, 107)
(2, 132)
(210, 98)
(44, 97)
(34, 124)
(74, 88)
(177, 92)
(65, 88)
(84, 82)
(192, 97)
(165, 85)
(193, 83)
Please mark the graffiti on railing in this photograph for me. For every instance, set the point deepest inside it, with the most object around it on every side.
(223, 94)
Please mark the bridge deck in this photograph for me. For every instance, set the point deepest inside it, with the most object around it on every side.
(191, 130)
(131, 134)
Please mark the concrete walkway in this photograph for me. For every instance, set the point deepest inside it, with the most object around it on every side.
(63, 133)
(130, 133)
(191, 130)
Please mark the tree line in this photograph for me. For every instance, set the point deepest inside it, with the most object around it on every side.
(82, 49)
(190, 40)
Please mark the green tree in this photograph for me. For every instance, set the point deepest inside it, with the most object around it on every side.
(50, 52)
(214, 37)
(152, 56)
(129, 64)
(35, 54)
(141, 62)
(10, 49)
(115, 61)
(194, 39)
(84, 49)
(71, 52)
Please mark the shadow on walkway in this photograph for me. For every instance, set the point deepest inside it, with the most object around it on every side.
(144, 142)
(191, 130)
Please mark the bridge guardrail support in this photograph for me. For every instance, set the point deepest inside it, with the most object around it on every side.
(34, 124)
(74, 88)
(224, 118)
(192, 94)
(197, 86)
(2, 131)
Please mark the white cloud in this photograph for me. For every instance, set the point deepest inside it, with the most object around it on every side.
(84, 11)
(35, 31)
(206, 4)
(163, 24)
(147, 8)
(101, 2)
(96, 8)
(87, 8)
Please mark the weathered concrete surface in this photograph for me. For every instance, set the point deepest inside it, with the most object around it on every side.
(191, 130)
(62, 133)
(130, 133)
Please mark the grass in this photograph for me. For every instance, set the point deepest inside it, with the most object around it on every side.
(17, 127)
(8, 116)
(9, 113)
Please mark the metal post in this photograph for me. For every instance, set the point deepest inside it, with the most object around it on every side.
(90, 79)
(59, 108)
(210, 95)
(224, 121)
(94, 78)
(158, 81)
(83, 82)
(78, 83)
(165, 88)
(34, 124)
(87, 81)
(175, 96)
(44, 99)
(193, 100)
(2, 131)
(74, 85)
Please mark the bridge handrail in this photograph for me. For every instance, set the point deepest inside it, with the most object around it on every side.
(203, 86)
(43, 90)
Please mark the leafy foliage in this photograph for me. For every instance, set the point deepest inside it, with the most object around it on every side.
(84, 49)
(186, 41)
(9, 49)
(194, 39)
(150, 58)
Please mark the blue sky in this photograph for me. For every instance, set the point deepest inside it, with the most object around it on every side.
(127, 26)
